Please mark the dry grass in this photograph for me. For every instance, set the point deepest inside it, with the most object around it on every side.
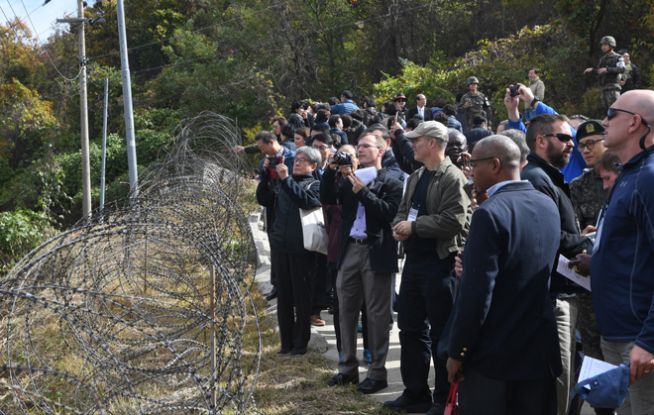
(290, 385)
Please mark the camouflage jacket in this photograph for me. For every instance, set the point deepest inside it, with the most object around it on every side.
(587, 196)
(479, 106)
(615, 66)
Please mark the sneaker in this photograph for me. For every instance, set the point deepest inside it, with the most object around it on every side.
(406, 404)
(317, 321)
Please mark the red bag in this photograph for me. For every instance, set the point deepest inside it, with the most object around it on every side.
(451, 405)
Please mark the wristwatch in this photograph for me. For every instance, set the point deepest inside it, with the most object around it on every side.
(534, 101)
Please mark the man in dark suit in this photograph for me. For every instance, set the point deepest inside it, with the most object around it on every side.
(504, 347)
(420, 110)
(368, 258)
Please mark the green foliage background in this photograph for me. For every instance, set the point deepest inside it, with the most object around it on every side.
(249, 59)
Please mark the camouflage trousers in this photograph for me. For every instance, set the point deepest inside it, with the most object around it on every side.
(609, 96)
(587, 326)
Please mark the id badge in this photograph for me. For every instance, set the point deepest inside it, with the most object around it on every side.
(413, 215)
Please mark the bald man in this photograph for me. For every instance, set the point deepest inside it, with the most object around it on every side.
(503, 347)
(622, 264)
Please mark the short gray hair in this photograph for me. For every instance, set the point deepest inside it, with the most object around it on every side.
(313, 154)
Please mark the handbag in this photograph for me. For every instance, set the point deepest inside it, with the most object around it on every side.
(451, 405)
(314, 232)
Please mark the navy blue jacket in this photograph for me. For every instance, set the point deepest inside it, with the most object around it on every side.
(295, 193)
(622, 266)
(503, 322)
(380, 198)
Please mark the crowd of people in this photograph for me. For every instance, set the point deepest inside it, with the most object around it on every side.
(479, 220)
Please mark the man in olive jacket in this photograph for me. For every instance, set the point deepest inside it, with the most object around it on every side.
(431, 220)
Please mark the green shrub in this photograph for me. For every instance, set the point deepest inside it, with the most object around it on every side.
(20, 232)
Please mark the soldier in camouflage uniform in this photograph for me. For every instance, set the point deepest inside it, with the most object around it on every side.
(588, 197)
(608, 70)
(586, 191)
(473, 103)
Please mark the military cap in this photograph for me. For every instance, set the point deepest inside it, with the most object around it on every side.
(472, 80)
(588, 128)
(609, 40)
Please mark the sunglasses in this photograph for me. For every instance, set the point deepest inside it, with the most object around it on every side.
(564, 138)
(613, 112)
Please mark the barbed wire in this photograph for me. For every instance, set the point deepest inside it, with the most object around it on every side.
(144, 308)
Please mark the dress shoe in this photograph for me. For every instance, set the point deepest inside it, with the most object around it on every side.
(369, 386)
(436, 409)
(272, 294)
(405, 404)
(344, 379)
(299, 352)
(317, 321)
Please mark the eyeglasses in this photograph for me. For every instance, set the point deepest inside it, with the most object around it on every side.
(612, 112)
(589, 144)
(366, 146)
(564, 138)
(302, 160)
(473, 162)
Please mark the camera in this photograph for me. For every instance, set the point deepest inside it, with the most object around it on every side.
(342, 159)
(514, 90)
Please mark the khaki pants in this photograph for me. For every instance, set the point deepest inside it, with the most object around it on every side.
(640, 399)
(357, 282)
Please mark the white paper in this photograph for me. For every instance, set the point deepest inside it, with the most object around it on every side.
(567, 272)
(366, 175)
(592, 367)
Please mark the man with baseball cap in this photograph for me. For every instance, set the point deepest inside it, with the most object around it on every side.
(430, 221)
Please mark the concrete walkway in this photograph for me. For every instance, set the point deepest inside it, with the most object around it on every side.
(324, 337)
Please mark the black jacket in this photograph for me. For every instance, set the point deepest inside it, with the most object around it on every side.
(297, 192)
(549, 180)
(413, 113)
(380, 199)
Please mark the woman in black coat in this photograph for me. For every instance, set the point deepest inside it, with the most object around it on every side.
(295, 265)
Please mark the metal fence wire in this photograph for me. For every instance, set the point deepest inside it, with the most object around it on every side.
(143, 309)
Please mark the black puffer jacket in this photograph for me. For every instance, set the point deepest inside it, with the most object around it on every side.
(297, 192)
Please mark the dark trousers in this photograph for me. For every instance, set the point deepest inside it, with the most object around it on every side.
(479, 395)
(273, 269)
(424, 305)
(294, 299)
(333, 273)
(319, 285)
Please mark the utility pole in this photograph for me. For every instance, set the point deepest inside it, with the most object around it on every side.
(127, 97)
(84, 116)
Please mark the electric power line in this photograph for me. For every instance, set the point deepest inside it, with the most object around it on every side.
(36, 33)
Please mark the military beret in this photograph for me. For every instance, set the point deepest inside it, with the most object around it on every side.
(588, 128)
